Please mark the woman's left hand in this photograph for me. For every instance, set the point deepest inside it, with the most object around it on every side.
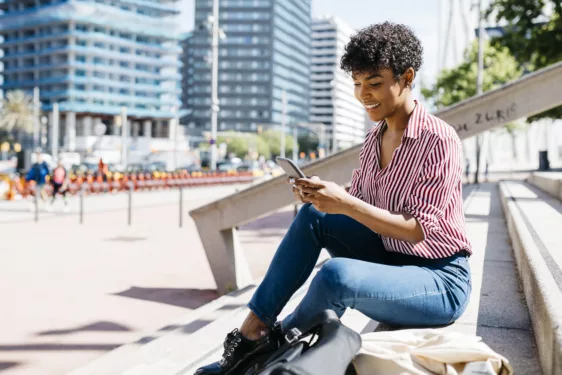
(325, 196)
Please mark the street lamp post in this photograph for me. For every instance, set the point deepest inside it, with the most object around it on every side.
(214, 83)
(295, 143)
(174, 127)
(36, 124)
(283, 122)
(479, 82)
(124, 138)
(43, 132)
(55, 131)
(334, 115)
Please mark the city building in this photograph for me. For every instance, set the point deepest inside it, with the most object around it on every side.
(333, 102)
(94, 58)
(266, 51)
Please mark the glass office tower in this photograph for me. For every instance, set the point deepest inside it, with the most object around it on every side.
(266, 51)
(94, 57)
(333, 101)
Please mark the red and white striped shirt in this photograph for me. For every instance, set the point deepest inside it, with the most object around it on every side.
(423, 178)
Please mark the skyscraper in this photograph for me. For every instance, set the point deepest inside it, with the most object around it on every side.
(266, 51)
(93, 58)
(333, 102)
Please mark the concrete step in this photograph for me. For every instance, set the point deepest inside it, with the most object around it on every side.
(497, 313)
(549, 182)
(534, 221)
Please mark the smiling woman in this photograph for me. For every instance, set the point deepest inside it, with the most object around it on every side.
(397, 237)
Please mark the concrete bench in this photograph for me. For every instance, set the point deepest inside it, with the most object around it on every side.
(534, 220)
(549, 182)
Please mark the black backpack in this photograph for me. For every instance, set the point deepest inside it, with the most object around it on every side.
(324, 347)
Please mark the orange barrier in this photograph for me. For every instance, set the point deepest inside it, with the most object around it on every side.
(140, 182)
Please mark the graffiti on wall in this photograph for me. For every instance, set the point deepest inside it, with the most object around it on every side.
(491, 118)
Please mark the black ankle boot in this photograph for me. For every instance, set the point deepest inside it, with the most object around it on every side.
(240, 352)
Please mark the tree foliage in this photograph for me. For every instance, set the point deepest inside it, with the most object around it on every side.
(239, 144)
(459, 83)
(273, 138)
(533, 34)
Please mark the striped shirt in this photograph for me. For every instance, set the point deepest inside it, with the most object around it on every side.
(423, 179)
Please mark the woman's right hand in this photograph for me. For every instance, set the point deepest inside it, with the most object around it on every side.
(296, 192)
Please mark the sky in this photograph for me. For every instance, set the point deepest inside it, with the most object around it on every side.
(360, 13)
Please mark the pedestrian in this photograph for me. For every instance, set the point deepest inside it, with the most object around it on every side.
(38, 173)
(397, 238)
(486, 170)
(59, 180)
(467, 170)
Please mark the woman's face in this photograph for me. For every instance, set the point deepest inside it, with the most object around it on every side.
(379, 92)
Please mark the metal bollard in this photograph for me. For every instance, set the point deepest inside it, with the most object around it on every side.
(130, 203)
(81, 205)
(36, 204)
(181, 207)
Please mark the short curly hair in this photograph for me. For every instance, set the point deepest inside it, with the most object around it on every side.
(383, 45)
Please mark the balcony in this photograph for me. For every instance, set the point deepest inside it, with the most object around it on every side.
(118, 97)
(45, 51)
(43, 37)
(106, 53)
(92, 35)
(97, 14)
(136, 86)
(129, 72)
(110, 110)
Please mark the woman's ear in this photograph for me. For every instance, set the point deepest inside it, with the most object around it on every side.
(409, 75)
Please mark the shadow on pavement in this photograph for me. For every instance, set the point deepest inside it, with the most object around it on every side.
(7, 365)
(93, 327)
(57, 347)
(277, 220)
(188, 298)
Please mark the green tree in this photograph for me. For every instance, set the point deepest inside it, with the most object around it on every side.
(533, 34)
(235, 143)
(240, 144)
(308, 143)
(273, 139)
(459, 83)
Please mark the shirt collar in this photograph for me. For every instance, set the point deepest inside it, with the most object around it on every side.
(417, 121)
(415, 126)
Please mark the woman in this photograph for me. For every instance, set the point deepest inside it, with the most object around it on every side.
(397, 238)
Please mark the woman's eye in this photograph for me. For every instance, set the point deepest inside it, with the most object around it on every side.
(375, 84)
(356, 84)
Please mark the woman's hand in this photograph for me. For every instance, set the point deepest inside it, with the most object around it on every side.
(299, 195)
(325, 196)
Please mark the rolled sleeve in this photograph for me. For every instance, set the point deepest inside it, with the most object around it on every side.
(433, 192)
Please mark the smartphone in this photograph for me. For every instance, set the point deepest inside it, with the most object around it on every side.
(289, 167)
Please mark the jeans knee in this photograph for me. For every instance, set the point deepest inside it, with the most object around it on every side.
(308, 212)
(336, 276)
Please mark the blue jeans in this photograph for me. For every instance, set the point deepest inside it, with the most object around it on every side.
(388, 287)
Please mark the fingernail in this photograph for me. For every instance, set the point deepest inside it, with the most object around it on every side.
(292, 181)
(295, 186)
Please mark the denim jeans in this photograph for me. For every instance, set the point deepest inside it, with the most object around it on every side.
(386, 286)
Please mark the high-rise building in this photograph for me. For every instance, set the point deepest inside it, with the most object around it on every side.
(333, 102)
(266, 51)
(93, 58)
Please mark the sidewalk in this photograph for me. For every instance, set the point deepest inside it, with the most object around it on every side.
(71, 292)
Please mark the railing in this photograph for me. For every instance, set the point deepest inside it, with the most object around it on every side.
(217, 221)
